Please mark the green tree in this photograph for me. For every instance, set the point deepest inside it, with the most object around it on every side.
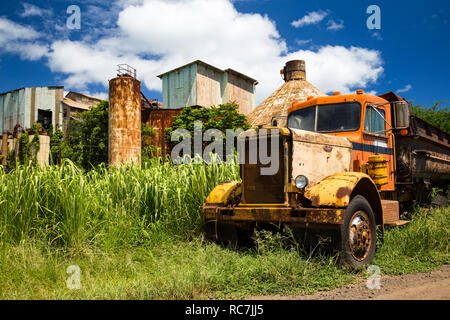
(94, 135)
(29, 149)
(438, 115)
(222, 117)
(59, 147)
(86, 139)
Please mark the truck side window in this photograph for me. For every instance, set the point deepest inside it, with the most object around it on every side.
(303, 119)
(374, 122)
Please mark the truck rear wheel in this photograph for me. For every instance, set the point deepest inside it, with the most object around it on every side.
(358, 234)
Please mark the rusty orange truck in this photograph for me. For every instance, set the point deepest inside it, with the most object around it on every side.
(346, 165)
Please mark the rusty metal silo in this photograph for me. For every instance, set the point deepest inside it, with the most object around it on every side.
(124, 117)
(273, 110)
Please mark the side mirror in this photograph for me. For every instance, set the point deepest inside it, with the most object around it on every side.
(401, 112)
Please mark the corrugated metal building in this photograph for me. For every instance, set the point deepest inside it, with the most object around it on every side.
(79, 101)
(27, 106)
(159, 120)
(201, 84)
(153, 114)
(76, 102)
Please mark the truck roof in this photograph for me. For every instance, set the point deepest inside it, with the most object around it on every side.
(359, 96)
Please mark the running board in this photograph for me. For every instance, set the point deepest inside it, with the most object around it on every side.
(397, 223)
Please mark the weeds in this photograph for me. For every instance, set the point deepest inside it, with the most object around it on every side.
(65, 206)
(420, 245)
(135, 234)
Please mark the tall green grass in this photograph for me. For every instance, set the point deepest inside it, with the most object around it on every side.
(134, 232)
(197, 269)
(419, 246)
(65, 206)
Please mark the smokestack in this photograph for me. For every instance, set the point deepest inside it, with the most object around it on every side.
(294, 70)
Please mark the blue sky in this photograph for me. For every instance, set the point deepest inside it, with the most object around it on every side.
(409, 54)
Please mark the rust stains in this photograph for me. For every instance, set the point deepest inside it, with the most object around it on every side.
(325, 216)
(217, 212)
(124, 120)
(343, 191)
(335, 190)
(315, 201)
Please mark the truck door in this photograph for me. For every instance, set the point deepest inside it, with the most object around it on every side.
(375, 138)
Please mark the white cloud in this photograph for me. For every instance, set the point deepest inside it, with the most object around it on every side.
(180, 32)
(335, 26)
(301, 42)
(311, 18)
(21, 40)
(27, 50)
(89, 64)
(32, 10)
(405, 89)
(101, 95)
(12, 31)
(220, 35)
(336, 68)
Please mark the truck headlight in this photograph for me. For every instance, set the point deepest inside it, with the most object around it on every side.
(301, 182)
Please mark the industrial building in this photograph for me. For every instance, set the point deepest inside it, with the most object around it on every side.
(195, 84)
(201, 84)
(27, 106)
(75, 102)
(21, 108)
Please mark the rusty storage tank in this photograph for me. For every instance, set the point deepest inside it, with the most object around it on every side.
(124, 117)
(273, 110)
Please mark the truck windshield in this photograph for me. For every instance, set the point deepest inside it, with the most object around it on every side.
(330, 118)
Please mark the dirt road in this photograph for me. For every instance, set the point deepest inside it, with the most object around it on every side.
(418, 286)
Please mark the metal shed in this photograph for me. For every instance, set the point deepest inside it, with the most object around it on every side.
(201, 84)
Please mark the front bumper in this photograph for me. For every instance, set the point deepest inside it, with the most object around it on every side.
(272, 214)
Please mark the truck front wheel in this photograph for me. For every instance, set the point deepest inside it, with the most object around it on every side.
(358, 234)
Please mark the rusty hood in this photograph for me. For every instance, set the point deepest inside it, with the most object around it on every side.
(318, 155)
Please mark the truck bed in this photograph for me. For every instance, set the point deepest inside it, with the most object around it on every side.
(423, 154)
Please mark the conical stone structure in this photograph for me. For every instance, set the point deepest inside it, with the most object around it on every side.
(273, 110)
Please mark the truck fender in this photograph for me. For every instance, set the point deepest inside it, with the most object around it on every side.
(338, 189)
(224, 192)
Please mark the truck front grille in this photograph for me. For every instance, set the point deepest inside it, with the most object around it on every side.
(258, 188)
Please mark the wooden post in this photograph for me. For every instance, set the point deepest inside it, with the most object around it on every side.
(17, 146)
(4, 149)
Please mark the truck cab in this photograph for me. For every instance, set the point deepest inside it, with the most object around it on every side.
(364, 119)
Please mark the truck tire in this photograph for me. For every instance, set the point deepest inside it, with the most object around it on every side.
(358, 234)
(226, 233)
